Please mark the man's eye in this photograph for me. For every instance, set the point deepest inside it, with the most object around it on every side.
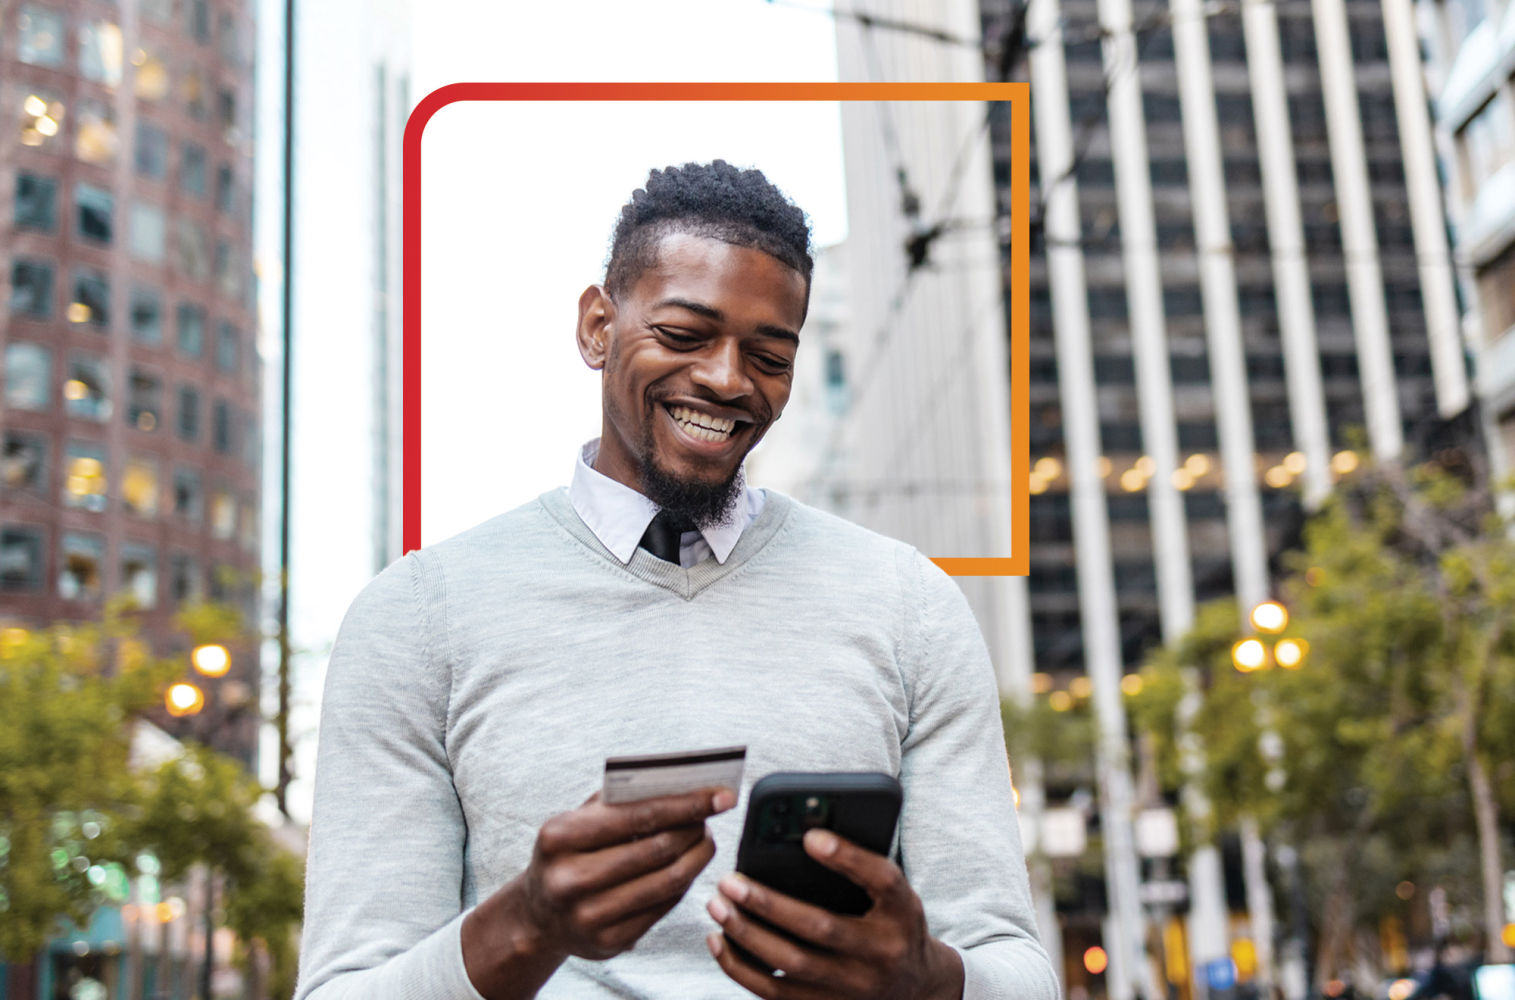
(774, 365)
(676, 338)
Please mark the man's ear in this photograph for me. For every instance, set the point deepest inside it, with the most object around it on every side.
(596, 314)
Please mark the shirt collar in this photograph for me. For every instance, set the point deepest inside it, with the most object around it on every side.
(619, 515)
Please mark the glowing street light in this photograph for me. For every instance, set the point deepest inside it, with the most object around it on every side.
(183, 699)
(211, 660)
(1248, 655)
(1290, 653)
(1270, 616)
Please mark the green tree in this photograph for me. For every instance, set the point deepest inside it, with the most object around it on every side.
(1383, 753)
(66, 695)
(200, 809)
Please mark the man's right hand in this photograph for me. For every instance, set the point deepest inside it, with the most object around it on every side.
(600, 877)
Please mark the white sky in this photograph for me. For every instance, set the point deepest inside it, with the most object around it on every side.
(519, 204)
(519, 200)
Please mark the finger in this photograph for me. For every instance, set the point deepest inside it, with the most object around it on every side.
(666, 885)
(763, 984)
(610, 941)
(612, 866)
(812, 924)
(596, 824)
(876, 874)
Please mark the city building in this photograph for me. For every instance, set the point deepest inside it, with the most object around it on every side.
(1240, 291)
(1471, 54)
(350, 106)
(131, 410)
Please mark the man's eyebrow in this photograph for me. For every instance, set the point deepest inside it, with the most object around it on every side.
(701, 309)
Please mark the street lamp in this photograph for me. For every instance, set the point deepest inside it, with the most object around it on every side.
(211, 659)
(1252, 653)
(183, 699)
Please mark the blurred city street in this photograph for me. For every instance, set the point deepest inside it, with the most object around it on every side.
(1211, 328)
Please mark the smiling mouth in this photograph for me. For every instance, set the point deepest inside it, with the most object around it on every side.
(702, 426)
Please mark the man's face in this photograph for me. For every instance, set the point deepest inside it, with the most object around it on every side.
(698, 358)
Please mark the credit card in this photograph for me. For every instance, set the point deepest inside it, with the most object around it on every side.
(631, 779)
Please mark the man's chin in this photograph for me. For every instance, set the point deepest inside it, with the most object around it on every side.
(700, 501)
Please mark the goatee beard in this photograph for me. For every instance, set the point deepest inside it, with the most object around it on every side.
(703, 504)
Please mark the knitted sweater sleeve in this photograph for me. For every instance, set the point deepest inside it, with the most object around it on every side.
(383, 904)
(959, 839)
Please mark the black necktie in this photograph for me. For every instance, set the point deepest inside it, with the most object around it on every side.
(662, 536)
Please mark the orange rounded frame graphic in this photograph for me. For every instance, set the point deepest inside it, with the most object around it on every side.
(1016, 94)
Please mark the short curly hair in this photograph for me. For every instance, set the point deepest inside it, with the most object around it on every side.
(716, 199)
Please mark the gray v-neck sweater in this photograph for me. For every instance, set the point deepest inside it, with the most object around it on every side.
(477, 686)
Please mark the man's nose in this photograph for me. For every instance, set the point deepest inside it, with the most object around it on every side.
(720, 370)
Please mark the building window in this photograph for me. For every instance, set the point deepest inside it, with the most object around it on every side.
(1496, 294)
(151, 151)
(189, 413)
(225, 188)
(139, 487)
(221, 424)
(79, 576)
(41, 36)
(197, 13)
(146, 315)
(95, 136)
(226, 112)
(100, 52)
(191, 329)
(1488, 140)
(95, 206)
(152, 83)
(139, 573)
(231, 51)
(31, 289)
(250, 523)
(189, 499)
(147, 232)
(28, 376)
(145, 400)
(183, 578)
(86, 394)
(36, 202)
(23, 462)
(84, 481)
(91, 301)
(194, 93)
(158, 11)
(191, 249)
(41, 118)
(21, 558)
(223, 515)
(226, 347)
(192, 169)
(228, 273)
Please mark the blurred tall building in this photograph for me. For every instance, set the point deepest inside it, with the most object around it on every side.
(131, 414)
(350, 106)
(1471, 50)
(1240, 289)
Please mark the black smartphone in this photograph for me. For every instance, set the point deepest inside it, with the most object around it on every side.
(862, 807)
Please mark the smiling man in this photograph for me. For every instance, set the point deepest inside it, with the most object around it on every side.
(659, 603)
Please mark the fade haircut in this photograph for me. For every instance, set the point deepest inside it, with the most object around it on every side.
(716, 200)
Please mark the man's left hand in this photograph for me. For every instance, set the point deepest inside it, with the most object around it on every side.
(885, 954)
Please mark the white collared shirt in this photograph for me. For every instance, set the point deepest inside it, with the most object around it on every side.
(619, 515)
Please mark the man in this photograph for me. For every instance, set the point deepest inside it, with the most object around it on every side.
(478, 685)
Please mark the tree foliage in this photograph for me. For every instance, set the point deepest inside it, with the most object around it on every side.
(74, 815)
(1372, 752)
(66, 695)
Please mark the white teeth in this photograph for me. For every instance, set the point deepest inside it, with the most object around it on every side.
(702, 426)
